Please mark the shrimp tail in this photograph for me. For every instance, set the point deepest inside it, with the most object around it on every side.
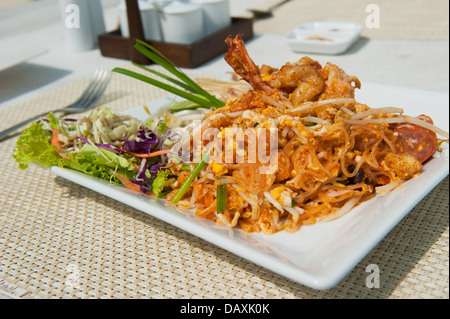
(238, 58)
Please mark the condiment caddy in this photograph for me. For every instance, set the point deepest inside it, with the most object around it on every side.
(189, 33)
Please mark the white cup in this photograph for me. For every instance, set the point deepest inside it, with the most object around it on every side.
(161, 2)
(181, 22)
(77, 27)
(216, 14)
(149, 18)
(97, 19)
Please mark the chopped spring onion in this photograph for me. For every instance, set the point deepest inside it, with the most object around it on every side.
(221, 198)
(187, 183)
(185, 168)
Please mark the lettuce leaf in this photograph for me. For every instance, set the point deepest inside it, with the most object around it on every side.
(34, 146)
(101, 163)
(54, 123)
(103, 156)
(160, 182)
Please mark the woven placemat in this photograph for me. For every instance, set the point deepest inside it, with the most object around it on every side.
(60, 240)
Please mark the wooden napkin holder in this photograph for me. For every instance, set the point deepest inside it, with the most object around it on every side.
(113, 44)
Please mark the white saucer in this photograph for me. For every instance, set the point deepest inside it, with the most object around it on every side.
(323, 37)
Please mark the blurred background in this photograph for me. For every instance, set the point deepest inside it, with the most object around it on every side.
(409, 46)
(399, 19)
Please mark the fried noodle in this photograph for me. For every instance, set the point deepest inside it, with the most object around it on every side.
(332, 151)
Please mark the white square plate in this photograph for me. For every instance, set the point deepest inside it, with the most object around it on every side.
(321, 255)
(323, 37)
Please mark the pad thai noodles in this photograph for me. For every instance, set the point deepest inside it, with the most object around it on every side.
(291, 147)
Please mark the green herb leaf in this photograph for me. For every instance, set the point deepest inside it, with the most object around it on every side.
(165, 77)
(153, 54)
(183, 105)
(188, 96)
(188, 88)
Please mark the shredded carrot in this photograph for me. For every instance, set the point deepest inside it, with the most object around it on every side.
(127, 183)
(148, 155)
(169, 165)
(56, 142)
(55, 139)
(62, 154)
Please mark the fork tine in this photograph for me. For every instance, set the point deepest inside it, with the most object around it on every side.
(89, 97)
(102, 87)
(97, 91)
(90, 87)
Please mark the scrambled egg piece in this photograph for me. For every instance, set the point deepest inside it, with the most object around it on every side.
(218, 169)
(403, 166)
(281, 195)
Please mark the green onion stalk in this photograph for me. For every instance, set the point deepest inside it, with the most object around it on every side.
(185, 86)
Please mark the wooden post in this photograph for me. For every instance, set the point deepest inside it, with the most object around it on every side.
(136, 31)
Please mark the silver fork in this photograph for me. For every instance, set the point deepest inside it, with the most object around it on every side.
(87, 100)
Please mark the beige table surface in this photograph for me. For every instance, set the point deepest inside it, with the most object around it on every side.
(52, 230)
(406, 20)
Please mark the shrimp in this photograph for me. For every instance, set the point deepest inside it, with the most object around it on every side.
(238, 58)
(338, 84)
(299, 82)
